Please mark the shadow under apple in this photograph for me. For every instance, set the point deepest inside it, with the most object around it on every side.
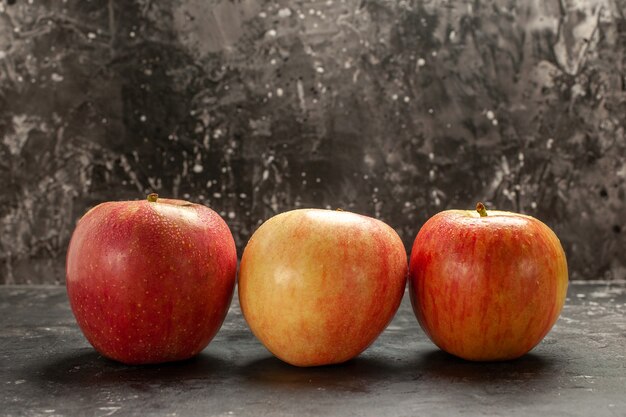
(86, 368)
(441, 365)
(356, 375)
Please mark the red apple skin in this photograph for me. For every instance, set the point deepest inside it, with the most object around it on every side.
(487, 288)
(150, 282)
(317, 287)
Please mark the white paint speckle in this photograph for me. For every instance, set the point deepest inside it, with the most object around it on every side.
(271, 33)
(394, 97)
(490, 115)
(406, 99)
(286, 12)
(262, 15)
(421, 62)
(279, 92)
(320, 69)
(57, 78)
(111, 410)
(91, 35)
(197, 168)
(143, 118)
(300, 90)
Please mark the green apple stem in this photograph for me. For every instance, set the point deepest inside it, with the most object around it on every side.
(480, 208)
(153, 197)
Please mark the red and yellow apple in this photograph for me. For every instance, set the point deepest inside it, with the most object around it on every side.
(484, 285)
(150, 281)
(317, 287)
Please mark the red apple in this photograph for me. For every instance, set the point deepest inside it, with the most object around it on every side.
(150, 281)
(317, 287)
(487, 285)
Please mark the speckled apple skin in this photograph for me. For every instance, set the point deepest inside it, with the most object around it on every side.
(150, 282)
(317, 287)
(487, 288)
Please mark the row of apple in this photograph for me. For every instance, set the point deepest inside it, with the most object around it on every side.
(151, 281)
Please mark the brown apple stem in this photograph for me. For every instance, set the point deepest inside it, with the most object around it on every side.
(480, 208)
(153, 197)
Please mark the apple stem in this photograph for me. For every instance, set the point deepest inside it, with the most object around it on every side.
(152, 197)
(480, 208)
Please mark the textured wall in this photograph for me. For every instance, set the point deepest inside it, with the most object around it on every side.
(397, 109)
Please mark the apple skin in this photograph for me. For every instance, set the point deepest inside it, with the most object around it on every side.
(487, 288)
(317, 287)
(150, 282)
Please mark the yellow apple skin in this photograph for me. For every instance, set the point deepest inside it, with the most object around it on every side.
(317, 287)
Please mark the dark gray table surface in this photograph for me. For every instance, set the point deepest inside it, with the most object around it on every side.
(47, 368)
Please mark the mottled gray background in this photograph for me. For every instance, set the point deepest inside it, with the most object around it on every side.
(396, 109)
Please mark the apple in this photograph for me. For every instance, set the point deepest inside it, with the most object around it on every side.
(317, 287)
(150, 281)
(487, 286)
